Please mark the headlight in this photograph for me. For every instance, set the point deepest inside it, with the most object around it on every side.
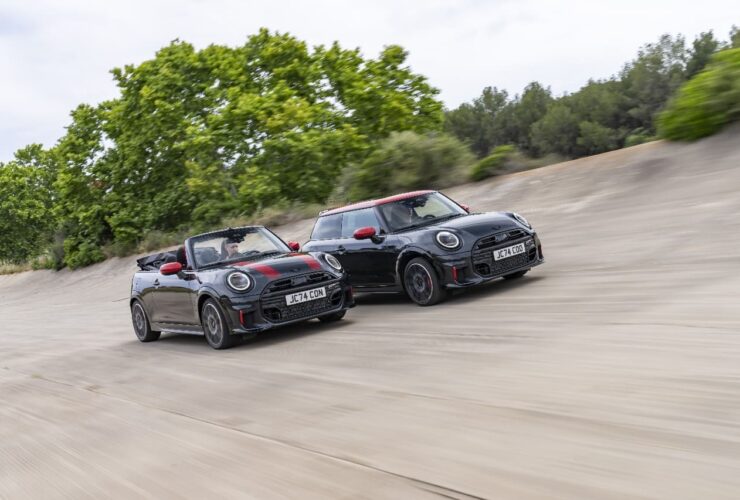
(448, 240)
(332, 261)
(521, 219)
(241, 282)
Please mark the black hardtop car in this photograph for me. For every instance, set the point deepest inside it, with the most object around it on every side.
(425, 244)
(234, 283)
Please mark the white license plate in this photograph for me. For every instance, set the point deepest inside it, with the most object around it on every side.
(305, 296)
(511, 251)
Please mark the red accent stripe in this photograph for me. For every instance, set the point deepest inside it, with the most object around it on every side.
(268, 271)
(454, 274)
(312, 263)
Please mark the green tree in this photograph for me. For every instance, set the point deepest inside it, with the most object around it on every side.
(702, 49)
(649, 80)
(407, 160)
(525, 112)
(734, 37)
(478, 123)
(707, 102)
(199, 135)
(594, 138)
(26, 199)
(557, 131)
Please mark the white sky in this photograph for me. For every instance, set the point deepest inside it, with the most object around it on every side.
(56, 54)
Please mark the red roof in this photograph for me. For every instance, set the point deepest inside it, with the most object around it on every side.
(375, 203)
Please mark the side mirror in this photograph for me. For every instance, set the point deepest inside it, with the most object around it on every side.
(294, 245)
(465, 207)
(364, 233)
(170, 268)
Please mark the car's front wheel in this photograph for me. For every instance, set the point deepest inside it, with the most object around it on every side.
(330, 318)
(142, 328)
(422, 283)
(215, 327)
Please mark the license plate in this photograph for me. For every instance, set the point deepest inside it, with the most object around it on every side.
(305, 296)
(511, 251)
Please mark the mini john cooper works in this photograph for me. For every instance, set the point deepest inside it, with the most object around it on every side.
(424, 244)
(234, 283)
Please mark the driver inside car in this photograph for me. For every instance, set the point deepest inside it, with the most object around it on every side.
(229, 248)
(401, 215)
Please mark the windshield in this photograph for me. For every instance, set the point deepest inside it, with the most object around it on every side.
(234, 245)
(419, 210)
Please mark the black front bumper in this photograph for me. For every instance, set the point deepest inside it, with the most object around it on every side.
(478, 266)
(271, 310)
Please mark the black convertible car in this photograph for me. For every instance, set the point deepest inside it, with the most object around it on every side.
(234, 283)
(425, 244)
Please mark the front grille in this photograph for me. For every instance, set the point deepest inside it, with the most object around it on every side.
(298, 281)
(276, 310)
(498, 238)
(483, 250)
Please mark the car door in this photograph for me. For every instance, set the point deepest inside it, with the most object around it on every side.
(174, 298)
(370, 262)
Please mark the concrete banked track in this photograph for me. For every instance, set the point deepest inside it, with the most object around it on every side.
(613, 371)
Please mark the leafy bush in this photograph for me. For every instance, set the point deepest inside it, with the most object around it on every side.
(705, 103)
(492, 164)
(81, 253)
(638, 136)
(595, 138)
(406, 161)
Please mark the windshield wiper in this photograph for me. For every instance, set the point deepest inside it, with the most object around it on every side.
(267, 254)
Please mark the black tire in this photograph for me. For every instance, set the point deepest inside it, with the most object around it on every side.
(142, 328)
(422, 284)
(215, 327)
(330, 318)
(516, 275)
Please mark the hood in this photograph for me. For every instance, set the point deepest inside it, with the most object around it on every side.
(479, 225)
(281, 266)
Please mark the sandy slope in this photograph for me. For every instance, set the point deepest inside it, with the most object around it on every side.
(610, 372)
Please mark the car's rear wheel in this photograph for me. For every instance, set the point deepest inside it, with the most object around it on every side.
(422, 283)
(516, 275)
(142, 328)
(215, 327)
(330, 318)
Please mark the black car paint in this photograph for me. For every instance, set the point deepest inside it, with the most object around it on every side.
(172, 303)
(377, 264)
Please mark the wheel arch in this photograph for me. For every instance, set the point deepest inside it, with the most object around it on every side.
(202, 297)
(406, 256)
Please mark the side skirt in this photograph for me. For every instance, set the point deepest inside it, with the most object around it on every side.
(169, 328)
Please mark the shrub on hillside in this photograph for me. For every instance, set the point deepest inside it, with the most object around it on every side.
(705, 103)
(492, 164)
(406, 161)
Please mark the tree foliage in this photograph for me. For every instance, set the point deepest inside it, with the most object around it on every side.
(602, 115)
(25, 204)
(407, 160)
(492, 164)
(196, 136)
(707, 102)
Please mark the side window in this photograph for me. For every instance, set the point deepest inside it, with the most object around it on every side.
(356, 219)
(327, 227)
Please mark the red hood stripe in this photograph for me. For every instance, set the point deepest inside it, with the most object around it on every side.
(312, 263)
(268, 271)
